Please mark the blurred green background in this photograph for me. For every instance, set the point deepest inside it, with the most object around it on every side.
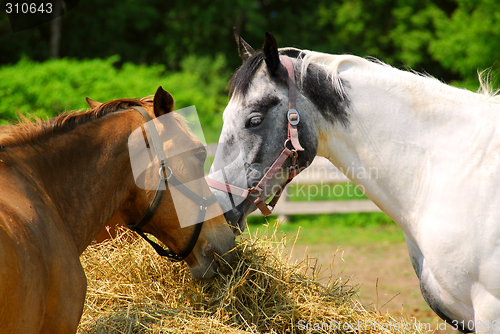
(117, 49)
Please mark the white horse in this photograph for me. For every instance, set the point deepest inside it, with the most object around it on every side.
(428, 155)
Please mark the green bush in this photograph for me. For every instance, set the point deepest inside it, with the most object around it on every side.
(49, 88)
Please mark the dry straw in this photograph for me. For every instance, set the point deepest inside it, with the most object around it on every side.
(133, 290)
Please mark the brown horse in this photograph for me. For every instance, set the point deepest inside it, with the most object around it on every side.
(62, 180)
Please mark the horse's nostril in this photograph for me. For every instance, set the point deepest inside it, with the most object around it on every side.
(224, 266)
(217, 258)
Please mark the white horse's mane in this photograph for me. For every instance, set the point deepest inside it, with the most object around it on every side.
(416, 80)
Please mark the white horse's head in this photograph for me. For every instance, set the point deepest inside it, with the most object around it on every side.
(255, 127)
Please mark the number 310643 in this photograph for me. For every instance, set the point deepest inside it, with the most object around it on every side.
(28, 8)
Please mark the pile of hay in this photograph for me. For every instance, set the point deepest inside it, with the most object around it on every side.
(133, 290)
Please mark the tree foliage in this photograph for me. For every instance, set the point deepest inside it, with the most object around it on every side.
(449, 39)
(49, 88)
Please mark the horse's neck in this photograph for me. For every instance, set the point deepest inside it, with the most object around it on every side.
(84, 173)
(405, 148)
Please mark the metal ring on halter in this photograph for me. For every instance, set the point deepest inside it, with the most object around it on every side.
(293, 121)
(286, 141)
(289, 141)
(162, 168)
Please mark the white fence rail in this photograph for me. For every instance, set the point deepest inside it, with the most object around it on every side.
(320, 172)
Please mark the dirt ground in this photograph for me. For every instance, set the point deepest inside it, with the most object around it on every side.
(385, 277)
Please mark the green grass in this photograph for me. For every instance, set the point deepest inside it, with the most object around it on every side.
(324, 231)
(353, 229)
(362, 219)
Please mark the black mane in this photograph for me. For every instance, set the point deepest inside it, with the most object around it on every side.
(241, 79)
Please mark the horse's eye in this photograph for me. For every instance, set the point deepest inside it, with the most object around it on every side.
(202, 156)
(255, 121)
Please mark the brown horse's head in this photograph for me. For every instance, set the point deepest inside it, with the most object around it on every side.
(175, 219)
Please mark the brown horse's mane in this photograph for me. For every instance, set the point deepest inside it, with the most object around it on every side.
(32, 129)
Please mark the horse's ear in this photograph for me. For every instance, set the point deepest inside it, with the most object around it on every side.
(244, 49)
(271, 53)
(163, 102)
(93, 104)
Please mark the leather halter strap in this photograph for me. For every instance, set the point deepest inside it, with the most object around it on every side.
(293, 118)
(153, 206)
(292, 115)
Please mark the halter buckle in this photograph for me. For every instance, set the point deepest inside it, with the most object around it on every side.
(259, 191)
(293, 117)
